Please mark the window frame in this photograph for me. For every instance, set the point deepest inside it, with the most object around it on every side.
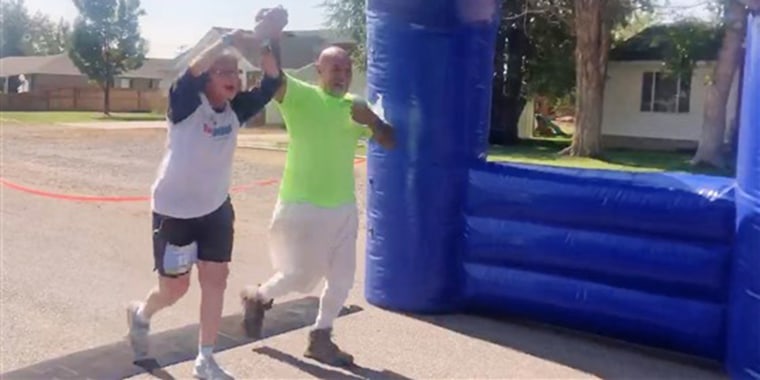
(648, 102)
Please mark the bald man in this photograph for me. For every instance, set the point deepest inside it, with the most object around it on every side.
(193, 216)
(314, 227)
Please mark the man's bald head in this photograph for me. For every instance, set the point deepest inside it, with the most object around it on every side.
(333, 52)
(334, 68)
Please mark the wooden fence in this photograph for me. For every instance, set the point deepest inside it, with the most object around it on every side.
(84, 99)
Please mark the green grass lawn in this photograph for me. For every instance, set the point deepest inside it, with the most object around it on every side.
(544, 152)
(52, 117)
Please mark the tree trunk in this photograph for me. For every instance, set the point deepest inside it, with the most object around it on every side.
(107, 99)
(711, 141)
(517, 48)
(507, 99)
(733, 135)
(591, 51)
(498, 124)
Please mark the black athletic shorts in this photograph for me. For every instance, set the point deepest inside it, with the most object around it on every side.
(212, 233)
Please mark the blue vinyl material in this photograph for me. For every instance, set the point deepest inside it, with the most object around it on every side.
(665, 259)
(656, 204)
(668, 267)
(425, 59)
(743, 342)
(687, 326)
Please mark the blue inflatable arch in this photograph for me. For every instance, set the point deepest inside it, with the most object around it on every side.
(670, 260)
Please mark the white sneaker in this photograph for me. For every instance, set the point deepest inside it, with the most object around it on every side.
(206, 368)
(138, 331)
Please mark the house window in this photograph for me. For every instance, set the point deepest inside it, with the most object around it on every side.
(125, 83)
(665, 93)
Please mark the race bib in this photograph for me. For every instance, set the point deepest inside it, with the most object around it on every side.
(180, 259)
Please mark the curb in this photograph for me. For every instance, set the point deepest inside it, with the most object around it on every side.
(272, 148)
(262, 147)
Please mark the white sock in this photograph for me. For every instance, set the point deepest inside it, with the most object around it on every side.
(255, 293)
(141, 314)
(205, 351)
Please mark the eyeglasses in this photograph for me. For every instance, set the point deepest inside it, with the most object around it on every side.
(227, 73)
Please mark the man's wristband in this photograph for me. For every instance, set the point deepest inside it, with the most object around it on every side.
(274, 83)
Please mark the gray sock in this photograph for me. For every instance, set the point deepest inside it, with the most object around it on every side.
(205, 351)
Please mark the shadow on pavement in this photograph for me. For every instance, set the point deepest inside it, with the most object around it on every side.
(598, 356)
(115, 361)
(355, 372)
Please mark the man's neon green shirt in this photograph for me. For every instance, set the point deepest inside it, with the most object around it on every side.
(323, 138)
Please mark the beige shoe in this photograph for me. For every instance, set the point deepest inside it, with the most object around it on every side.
(322, 349)
(254, 309)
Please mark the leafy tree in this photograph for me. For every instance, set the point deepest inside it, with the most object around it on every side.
(106, 41)
(23, 34)
(537, 44)
(531, 55)
(47, 37)
(636, 23)
(550, 64)
(348, 16)
(508, 93)
(536, 53)
(14, 19)
(687, 42)
(594, 23)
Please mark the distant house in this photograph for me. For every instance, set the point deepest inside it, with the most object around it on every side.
(299, 51)
(646, 109)
(53, 72)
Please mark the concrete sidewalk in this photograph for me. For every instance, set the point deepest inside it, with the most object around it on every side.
(272, 140)
(117, 125)
(394, 346)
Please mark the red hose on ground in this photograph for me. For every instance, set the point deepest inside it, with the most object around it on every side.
(99, 198)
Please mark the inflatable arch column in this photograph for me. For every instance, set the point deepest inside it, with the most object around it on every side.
(743, 346)
(430, 65)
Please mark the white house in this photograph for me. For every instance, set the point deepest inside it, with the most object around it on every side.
(644, 108)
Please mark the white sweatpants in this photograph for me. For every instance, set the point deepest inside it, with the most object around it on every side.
(308, 244)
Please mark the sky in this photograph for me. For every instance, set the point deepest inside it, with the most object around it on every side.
(172, 24)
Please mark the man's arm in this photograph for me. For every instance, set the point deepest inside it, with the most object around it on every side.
(269, 23)
(292, 92)
(248, 103)
(184, 96)
(382, 132)
(280, 93)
